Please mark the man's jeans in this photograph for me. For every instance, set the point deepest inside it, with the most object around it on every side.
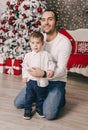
(53, 103)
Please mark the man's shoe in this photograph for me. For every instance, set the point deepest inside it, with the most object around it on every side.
(64, 103)
(39, 113)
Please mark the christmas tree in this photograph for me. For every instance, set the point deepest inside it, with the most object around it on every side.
(17, 22)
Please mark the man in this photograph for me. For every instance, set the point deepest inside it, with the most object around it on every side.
(60, 48)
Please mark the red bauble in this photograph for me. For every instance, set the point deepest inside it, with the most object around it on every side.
(4, 39)
(24, 16)
(18, 3)
(16, 7)
(6, 30)
(29, 31)
(39, 9)
(0, 42)
(22, 26)
(11, 18)
(8, 3)
(2, 28)
(14, 31)
(10, 22)
(38, 23)
(25, 7)
(10, 12)
(19, 35)
(3, 22)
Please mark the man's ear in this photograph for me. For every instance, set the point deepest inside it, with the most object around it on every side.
(56, 23)
(42, 43)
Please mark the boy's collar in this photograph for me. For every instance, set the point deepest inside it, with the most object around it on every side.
(35, 52)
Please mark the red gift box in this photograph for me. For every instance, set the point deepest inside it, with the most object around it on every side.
(13, 66)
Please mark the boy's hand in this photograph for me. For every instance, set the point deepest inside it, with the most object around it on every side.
(50, 74)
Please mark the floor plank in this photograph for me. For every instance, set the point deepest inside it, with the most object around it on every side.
(74, 115)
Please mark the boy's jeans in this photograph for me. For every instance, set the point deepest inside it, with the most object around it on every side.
(35, 93)
(53, 103)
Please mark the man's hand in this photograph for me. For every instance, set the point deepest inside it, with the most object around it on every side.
(36, 72)
(25, 80)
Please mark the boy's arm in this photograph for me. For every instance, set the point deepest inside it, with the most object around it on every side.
(25, 68)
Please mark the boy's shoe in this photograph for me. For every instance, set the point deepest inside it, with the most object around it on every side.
(27, 115)
(39, 113)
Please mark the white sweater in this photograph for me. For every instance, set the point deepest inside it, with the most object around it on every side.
(60, 49)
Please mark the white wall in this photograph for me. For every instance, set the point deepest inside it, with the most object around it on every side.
(2, 6)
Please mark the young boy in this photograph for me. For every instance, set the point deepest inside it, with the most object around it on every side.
(37, 87)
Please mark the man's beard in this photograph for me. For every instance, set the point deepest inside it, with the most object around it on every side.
(49, 32)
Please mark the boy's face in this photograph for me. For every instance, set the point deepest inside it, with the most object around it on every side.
(48, 22)
(36, 44)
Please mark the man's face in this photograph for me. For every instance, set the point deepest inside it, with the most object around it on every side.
(48, 22)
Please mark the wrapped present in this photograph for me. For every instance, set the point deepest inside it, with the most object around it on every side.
(13, 66)
(2, 64)
(17, 67)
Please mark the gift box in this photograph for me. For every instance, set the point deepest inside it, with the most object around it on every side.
(13, 66)
(2, 64)
(17, 67)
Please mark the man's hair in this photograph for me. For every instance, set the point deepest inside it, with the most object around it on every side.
(50, 10)
(37, 34)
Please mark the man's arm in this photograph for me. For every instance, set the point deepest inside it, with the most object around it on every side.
(37, 72)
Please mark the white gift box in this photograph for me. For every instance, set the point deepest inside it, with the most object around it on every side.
(2, 64)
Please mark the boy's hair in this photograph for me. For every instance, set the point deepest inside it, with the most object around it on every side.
(50, 10)
(37, 34)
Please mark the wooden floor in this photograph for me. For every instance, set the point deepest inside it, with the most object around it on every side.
(74, 115)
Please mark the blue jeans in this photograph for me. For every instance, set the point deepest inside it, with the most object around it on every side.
(52, 104)
(34, 93)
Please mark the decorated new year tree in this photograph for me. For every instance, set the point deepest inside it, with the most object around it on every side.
(20, 18)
